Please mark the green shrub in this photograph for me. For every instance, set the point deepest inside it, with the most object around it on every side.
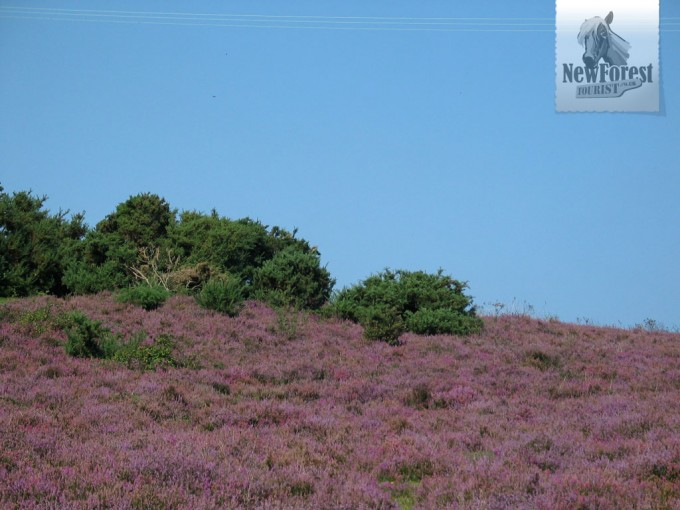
(225, 296)
(135, 354)
(81, 278)
(37, 321)
(395, 301)
(382, 323)
(293, 278)
(87, 338)
(34, 245)
(145, 296)
(442, 321)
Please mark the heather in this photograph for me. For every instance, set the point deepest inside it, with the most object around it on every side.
(276, 408)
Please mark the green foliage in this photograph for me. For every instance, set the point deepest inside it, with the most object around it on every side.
(83, 278)
(222, 388)
(391, 302)
(145, 296)
(301, 488)
(34, 245)
(142, 240)
(135, 354)
(37, 321)
(442, 321)
(407, 471)
(104, 258)
(142, 220)
(88, 338)
(382, 322)
(101, 263)
(44, 318)
(293, 278)
(225, 296)
(404, 499)
(237, 247)
(416, 470)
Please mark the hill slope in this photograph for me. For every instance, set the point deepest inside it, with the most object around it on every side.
(278, 410)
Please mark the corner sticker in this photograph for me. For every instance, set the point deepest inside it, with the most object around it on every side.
(607, 56)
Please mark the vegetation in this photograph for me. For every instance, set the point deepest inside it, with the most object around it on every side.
(391, 302)
(35, 246)
(293, 278)
(292, 411)
(88, 338)
(225, 296)
(146, 296)
(136, 354)
(146, 251)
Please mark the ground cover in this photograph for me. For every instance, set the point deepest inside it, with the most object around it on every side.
(275, 409)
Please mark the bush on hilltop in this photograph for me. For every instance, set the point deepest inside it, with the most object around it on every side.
(408, 300)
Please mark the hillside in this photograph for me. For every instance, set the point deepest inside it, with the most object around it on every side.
(283, 410)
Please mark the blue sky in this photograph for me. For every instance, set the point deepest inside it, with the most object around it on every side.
(413, 149)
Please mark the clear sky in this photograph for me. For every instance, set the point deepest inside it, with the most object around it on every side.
(419, 148)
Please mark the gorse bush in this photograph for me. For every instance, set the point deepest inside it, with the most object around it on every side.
(87, 338)
(145, 296)
(149, 250)
(81, 278)
(382, 322)
(35, 246)
(441, 321)
(394, 301)
(224, 296)
(293, 278)
(146, 240)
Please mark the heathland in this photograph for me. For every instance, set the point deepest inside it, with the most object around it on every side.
(185, 360)
(277, 408)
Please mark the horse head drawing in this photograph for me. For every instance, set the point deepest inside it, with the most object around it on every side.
(601, 43)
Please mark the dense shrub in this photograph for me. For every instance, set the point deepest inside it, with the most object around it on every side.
(424, 303)
(293, 278)
(142, 220)
(82, 278)
(143, 241)
(88, 338)
(145, 296)
(35, 245)
(441, 321)
(237, 247)
(382, 322)
(225, 296)
(101, 262)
